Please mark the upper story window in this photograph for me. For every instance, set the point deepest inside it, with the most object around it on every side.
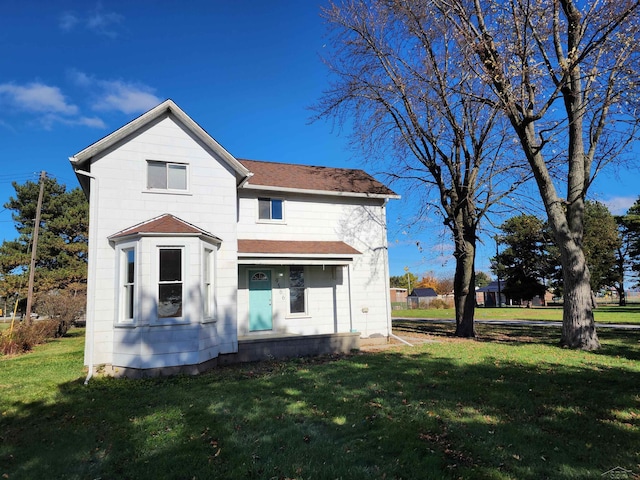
(166, 175)
(270, 209)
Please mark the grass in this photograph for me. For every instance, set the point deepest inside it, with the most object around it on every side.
(603, 314)
(509, 406)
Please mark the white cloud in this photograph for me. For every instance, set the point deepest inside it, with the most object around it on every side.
(126, 98)
(68, 21)
(619, 205)
(50, 120)
(36, 97)
(116, 95)
(93, 122)
(104, 23)
(97, 21)
(48, 104)
(80, 78)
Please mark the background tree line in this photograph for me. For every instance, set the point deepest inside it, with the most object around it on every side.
(443, 285)
(529, 263)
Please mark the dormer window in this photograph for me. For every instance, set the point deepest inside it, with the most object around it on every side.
(270, 209)
(166, 176)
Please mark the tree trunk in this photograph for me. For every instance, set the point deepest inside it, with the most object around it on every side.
(622, 296)
(578, 325)
(464, 283)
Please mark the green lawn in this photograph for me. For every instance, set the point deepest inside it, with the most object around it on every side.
(510, 406)
(603, 314)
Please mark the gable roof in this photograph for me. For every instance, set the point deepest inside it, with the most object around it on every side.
(251, 174)
(165, 224)
(310, 179)
(423, 292)
(168, 107)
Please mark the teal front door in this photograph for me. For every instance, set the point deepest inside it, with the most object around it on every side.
(260, 316)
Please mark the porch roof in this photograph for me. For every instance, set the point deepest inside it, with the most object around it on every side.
(295, 252)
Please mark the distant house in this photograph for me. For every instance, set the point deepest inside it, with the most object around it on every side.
(487, 295)
(398, 295)
(421, 297)
(198, 257)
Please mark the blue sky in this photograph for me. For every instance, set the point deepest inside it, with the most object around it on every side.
(247, 71)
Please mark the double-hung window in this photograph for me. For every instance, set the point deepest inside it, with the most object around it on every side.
(297, 291)
(208, 268)
(270, 209)
(170, 282)
(128, 285)
(166, 176)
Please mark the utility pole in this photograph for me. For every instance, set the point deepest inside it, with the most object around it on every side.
(34, 247)
(498, 273)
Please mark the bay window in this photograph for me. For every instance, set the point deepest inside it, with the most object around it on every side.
(170, 283)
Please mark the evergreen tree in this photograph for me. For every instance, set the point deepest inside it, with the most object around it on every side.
(525, 263)
(482, 279)
(61, 261)
(600, 243)
(630, 232)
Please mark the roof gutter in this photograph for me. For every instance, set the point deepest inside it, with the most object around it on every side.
(249, 186)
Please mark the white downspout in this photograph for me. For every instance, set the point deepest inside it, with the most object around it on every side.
(90, 314)
(386, 276)
(350, 301)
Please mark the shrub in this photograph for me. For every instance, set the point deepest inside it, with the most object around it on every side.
(440, 304)
(64, 306)
(25, 335)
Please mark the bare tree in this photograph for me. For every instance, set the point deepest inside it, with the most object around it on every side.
(565, 74)
(400, 77)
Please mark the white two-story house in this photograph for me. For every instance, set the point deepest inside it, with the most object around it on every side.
(194, 253)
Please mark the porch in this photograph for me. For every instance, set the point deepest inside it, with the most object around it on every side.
(252, 348)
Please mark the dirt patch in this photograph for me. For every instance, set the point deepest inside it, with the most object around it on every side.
(414, 339)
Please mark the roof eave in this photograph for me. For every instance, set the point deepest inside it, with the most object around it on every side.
(249, 186)
(131, 236)
(298, 255)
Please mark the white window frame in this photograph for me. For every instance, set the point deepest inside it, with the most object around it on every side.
(305, 289)
(270, 219)
(182, 318)
(122, 284)
(209, 297)
(167, 166)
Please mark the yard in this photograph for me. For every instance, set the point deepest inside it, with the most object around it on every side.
(512, 405)
(603, 314)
